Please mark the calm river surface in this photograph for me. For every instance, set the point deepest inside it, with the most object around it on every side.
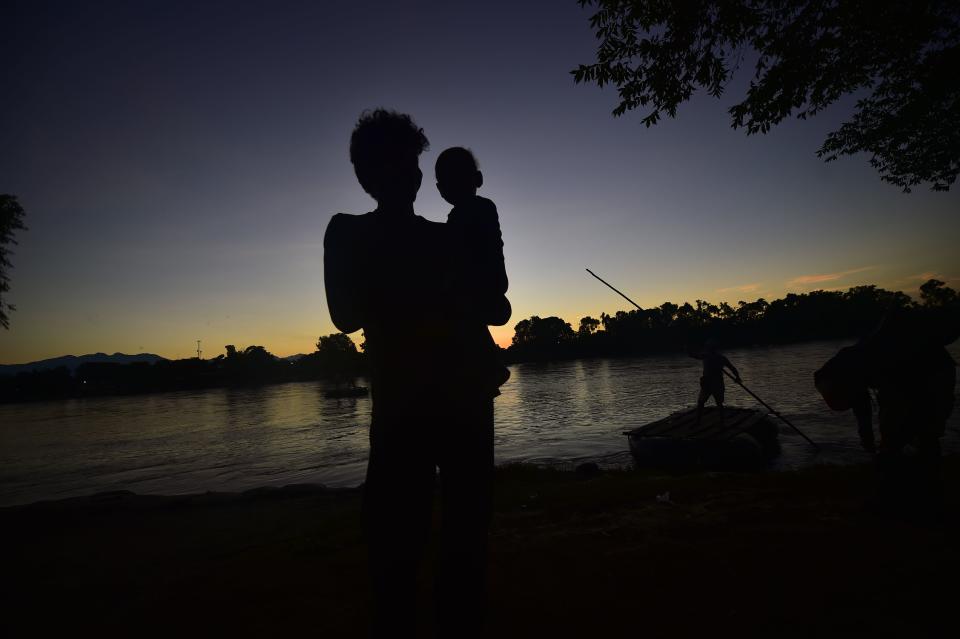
(234, 439)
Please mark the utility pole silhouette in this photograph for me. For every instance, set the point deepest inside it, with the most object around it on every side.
(199, 352)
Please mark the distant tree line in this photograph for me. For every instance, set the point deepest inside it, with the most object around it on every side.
(660, 329)
(671, 327)
(336, 359)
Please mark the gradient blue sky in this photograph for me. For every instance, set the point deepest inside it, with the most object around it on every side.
(179, 162)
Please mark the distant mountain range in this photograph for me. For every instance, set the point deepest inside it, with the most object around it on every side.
(73, 361)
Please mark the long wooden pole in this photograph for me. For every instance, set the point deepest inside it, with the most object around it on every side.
(752, 394)
(615, 290)
(769, 408)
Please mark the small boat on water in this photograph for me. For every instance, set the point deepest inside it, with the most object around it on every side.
(350, 391)
(744, 439)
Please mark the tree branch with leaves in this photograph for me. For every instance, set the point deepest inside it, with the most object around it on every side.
(899, 58)
(11, 221)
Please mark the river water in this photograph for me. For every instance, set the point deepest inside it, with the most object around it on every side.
(559, 413)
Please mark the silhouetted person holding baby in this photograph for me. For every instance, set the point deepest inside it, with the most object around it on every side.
(711, 381)
(391, 273)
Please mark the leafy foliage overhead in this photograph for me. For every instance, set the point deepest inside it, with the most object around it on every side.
(901, 57)
(11, 221)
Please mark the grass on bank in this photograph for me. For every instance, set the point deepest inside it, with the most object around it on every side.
(785, 554)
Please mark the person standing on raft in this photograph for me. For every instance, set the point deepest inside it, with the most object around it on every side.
(711, 381)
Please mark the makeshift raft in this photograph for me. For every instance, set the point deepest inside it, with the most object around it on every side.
(746, 439)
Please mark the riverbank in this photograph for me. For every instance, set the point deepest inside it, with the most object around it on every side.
(791, 554)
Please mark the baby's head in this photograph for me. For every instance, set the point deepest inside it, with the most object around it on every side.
(458, 176)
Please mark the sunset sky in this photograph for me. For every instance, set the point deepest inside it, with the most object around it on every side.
(179, 161)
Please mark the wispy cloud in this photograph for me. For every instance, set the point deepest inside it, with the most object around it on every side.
(911, 283)
(929, 275)
(827, 277)
(743, 288)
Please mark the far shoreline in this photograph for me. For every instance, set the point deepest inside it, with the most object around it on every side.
(363, 380)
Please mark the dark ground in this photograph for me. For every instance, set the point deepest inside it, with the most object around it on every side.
(777, 554)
